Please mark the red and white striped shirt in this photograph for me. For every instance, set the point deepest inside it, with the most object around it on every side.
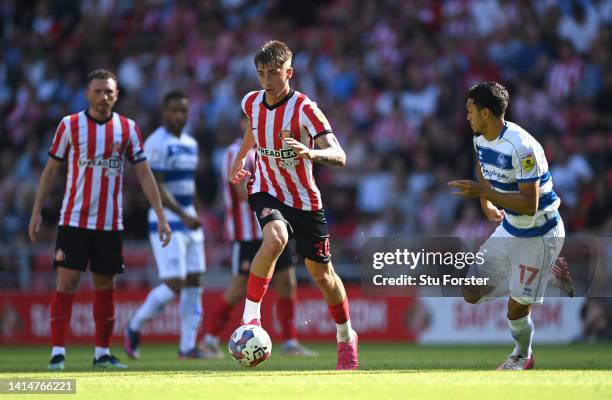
(95, 152)
(240, 221)
(277, 169)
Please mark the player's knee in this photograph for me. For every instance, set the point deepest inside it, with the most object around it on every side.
(276, 239)
(471, 298)
(175, 284)
(67, 285)
(517, 310)
(324, 276)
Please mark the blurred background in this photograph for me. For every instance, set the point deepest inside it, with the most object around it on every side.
(390, 75)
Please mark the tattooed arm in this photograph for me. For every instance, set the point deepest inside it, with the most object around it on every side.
(329, 152)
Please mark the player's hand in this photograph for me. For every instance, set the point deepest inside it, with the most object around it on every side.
(300, 148)
(164, 231)
(466, 188)
(493, 213)
(238, 173)
(190, 222)
(34, 226)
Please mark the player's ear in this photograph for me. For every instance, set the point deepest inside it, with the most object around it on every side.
(289, 72)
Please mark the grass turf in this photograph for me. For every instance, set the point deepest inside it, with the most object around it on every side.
(386, 371)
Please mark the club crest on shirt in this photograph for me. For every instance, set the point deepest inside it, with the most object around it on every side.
(501, 160)
(528, 161)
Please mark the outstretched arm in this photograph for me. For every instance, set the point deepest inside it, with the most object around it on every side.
(329, 152)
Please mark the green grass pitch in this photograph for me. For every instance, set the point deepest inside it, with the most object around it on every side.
(387, 371)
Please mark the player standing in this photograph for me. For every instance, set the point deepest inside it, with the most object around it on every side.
(243, 231)
(516, 189)
(173, 155)
(285, 124)
(96, 143)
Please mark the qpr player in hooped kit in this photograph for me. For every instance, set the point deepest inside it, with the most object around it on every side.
(95, 144)
(285, 124)
(173, 155)
(516, 189)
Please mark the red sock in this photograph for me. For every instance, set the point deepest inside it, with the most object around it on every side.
(285, 311)
(61, 311)
(104, 316)
(256, 288)
(340, 311)
(219, 318)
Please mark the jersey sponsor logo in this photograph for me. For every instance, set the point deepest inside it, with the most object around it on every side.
(284, 154)
(112, 163)
(289, 164)
(528, 161)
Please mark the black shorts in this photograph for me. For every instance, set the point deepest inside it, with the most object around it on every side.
(78, 248)
(308, 228)
(243, 253)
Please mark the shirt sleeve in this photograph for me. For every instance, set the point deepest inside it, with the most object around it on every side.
(529, 163)
(313, 119)
(61, 142)
(243, 103)
(135, 148)
(156, 155)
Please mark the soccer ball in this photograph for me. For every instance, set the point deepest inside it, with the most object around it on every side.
(250, 345)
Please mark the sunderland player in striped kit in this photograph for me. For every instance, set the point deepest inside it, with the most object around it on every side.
(516, 189)
(95, 143)
(173, 156)
(242, 229)
(285, 124)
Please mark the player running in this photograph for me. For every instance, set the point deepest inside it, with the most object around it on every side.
(244, 232)
(173, 155)
(285, 124)
(95, 143)
(516, 189)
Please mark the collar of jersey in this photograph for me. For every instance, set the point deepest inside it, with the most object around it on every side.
(103, 122)
(269, 107)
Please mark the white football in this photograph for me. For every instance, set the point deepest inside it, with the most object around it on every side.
(250, 345)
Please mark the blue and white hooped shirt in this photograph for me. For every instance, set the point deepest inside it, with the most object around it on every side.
(516, 157)
(177, 159)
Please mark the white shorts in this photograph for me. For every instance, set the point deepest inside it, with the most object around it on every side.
(183, 255)
(522, 264)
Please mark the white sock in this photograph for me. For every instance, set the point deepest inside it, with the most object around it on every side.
(210, 339)
(252, 311)
(153, 306)
(522, 332)
(344, 332)
(55, 350)
(101, 351)
(190, 312)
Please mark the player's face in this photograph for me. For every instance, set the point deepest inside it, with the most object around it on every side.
(474, 117)
(275, 80)
(175, 114)
(102, 95)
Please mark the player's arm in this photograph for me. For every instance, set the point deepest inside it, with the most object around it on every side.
(491, 212)
(238, 173)
(241, 190)
(169, 201)
(151, 191)
(44, 188)
(525, 202)
(329, 152)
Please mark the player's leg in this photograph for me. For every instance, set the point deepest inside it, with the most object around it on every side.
(106, 261)
(242, 254)
(70, 259)
(285, 284)
(169, 266)
(275, 237)
(190, 305)
(532, 260)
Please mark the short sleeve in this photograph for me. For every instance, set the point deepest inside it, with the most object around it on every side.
(246, 100)
(529, 163)
(135, 148)
(314, 121)
(61, 141)
(156, 155)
